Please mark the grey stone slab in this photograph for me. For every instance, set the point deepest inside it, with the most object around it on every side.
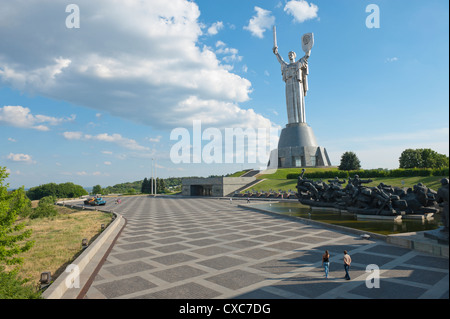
(236, 279)
(197, 235)
(423, 276)
(367, 259)
(276, 228)
(243, 243)
(256, 232)
(136, 254)
(136, 238)
(167, 234)
(232, 236)
(256, 253)
(268, 238)
(173, 259)
(171, 248)
(211, 251)
(389, 290)
(292, 233)
(221, 262)
(428, 261)
(192, 230)
(168, 240)
(286, 246)
(134, 246)
(138, 233)
(223, 230)
(178, 273)
(203, 242)
(304, 256)
(311, 239)
(185, 291)
(122, 287)
(129, 268)
(275, 266)
(309, 287)
(388, 250)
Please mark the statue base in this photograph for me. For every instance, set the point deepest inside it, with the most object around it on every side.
(440, 235)
(297, 147)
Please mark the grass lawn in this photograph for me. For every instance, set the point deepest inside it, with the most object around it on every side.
(58, 240)
(433, 182)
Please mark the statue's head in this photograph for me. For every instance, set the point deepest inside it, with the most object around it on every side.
(292, 56)
(444, 181)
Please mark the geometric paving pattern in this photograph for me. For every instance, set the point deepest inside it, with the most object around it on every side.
(197, 248)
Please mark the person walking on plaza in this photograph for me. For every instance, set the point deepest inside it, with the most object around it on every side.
(347, 262)
(326, 262)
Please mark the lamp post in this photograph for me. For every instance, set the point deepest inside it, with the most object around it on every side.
(151, 178)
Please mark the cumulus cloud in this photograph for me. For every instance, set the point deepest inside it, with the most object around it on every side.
(138, 60)
(259, 23)
(23, 158)
(215, 27)
(393, 59)
(105, 137)
(229, 54)
(20, 116)
(301, 10)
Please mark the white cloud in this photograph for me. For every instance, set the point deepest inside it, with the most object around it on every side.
(24, 158)
(73, 135)
(259, 23)
(105, 137)
(215, 27)
(155, 139)
(20, 116)
(137, 60)
(393, 59)
(301, 10)
(230, 54)
(11, 139)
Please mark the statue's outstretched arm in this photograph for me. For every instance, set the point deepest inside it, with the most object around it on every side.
(279, 58)
(304, 60)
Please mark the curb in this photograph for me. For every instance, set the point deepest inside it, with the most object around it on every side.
(79, 274)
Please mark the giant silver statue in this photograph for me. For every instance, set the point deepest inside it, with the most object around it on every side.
(295, 75)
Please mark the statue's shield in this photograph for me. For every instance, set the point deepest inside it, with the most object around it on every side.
(307, 42)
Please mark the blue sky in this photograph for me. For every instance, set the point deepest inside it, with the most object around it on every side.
(95, 104)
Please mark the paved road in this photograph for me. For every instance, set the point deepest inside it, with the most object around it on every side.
(210, 248)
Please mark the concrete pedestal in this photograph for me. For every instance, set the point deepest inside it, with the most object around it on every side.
(297, 147)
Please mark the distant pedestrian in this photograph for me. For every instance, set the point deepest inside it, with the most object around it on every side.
(347, 262)
(231, 200)
(326, 262)
(248, 200)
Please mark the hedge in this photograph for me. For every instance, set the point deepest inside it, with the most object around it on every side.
(374, 173)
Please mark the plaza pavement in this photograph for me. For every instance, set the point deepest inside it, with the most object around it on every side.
(210, 248)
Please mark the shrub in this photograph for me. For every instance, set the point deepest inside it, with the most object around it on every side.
(45, 208)
(349, 161)
(13, 287)
(372, 173)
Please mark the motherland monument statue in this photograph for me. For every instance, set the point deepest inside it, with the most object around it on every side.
(295, 75)
(297, 146)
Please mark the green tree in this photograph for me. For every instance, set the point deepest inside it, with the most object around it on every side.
(349, 162)
(46, 208)
(422, 158)
(160, 186)
(145, 188)
(97, 189)
(64, 190)
(12, 234)
(410, 158)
